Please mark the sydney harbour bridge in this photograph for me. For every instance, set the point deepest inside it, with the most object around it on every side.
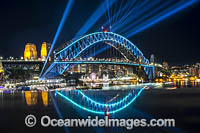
(66, 57)
(138, 16)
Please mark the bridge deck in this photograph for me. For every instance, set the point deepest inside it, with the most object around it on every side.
(21, 62)
(102, 62)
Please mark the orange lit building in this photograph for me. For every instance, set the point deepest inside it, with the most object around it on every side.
(1, 72)
(30, 52)
(44, 50)
(1, 67)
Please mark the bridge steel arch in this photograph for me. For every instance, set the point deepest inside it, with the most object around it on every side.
(74, 49)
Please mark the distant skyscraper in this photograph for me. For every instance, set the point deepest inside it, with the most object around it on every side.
(30, 52)
(165, 65)
(44, 51)
(152, 59)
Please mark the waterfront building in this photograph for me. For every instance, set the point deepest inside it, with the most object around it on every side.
(193, 71)
(165, 65)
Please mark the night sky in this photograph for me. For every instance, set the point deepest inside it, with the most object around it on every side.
(175, 39)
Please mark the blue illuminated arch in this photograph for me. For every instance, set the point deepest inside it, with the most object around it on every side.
(121, 106)
(74, 49)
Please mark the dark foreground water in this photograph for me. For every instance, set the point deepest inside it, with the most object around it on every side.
(181, 104)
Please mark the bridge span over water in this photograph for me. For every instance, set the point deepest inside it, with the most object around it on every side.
(76, 48)
(102, 62)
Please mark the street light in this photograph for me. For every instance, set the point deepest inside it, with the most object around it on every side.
(11, 58)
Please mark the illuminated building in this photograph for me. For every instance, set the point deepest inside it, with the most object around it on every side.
(165, 65)
(193, 71)
(152, 60)
(30, 52)
(1, 67)
(1, 72)
(83, 68)
(76, 68)
(44, 50)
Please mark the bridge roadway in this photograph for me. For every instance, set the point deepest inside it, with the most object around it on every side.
(21, 62)
(7, 64)
(102, 62)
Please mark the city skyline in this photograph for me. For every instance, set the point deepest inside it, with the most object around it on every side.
(168, 40)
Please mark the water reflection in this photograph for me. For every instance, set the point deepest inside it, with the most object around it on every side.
(45, 98)
(154, 102)
(33, 97)
(186, 84)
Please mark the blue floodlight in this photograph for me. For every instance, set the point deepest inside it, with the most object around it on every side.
(93, 18)
(161, 16)
(65, 14)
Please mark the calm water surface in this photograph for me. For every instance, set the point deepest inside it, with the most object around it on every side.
(179, 101)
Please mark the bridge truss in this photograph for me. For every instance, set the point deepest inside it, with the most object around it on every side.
(74, 50)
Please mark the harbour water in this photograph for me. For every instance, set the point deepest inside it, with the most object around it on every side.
(174, 101)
